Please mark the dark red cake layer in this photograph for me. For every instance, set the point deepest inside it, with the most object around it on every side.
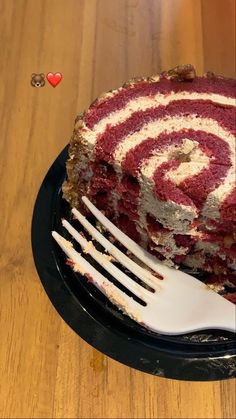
(182, 240)
(199, 186)
(128, 187)
(108, 141)
(231, 297)
(221, 279)
(129, 208)
(154, 226)
(165, 189)
(102, 108)
(228, 207)
(128, 227)
(214, 147)
(101, 198)
(227, 284)
(221, 225)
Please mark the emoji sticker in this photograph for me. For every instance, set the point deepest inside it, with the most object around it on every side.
(37, 80)
(54, 79)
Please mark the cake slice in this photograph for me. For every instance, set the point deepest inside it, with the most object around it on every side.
(158, 157)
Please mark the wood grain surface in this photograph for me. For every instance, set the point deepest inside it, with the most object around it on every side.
(46, 369)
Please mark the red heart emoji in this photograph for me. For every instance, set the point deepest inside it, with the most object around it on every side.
(54, 79)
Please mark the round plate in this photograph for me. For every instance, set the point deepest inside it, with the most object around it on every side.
(200, 356)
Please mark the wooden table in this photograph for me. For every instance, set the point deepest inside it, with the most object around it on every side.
(46, 369)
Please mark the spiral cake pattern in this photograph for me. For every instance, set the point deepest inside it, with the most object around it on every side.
(158, 157)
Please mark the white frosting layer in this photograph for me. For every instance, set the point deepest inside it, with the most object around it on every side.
(169, 124)
(143, 103)
(214, 199)
(186, 170)
(197, 162)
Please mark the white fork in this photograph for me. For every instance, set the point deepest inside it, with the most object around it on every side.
(172, 303)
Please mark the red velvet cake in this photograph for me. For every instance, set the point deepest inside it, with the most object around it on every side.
(158, 157)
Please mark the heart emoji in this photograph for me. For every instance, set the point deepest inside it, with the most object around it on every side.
(54, 79)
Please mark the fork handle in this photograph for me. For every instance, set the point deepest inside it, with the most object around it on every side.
(222, 315)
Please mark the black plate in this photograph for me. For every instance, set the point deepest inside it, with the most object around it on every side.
(202, 356)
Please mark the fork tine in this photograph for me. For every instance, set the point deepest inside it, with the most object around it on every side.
(133, 247)
(140, 272)
(121, 277)
(127, 304)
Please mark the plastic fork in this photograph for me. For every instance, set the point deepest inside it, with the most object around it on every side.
(164, 299)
